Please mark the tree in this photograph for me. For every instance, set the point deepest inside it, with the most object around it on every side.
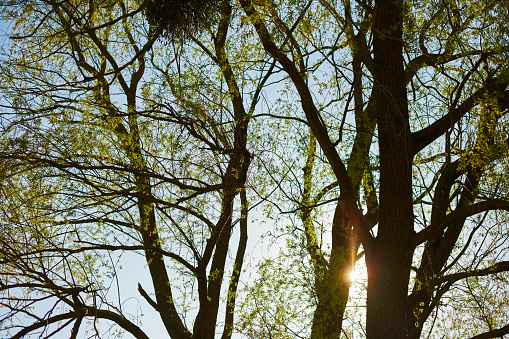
(114, 143)
(415, 113)
(413, 165)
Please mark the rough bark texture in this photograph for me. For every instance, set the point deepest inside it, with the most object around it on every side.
(389, 260)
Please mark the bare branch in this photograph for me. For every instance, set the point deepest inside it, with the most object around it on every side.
(451, 278)
(493, 334)
(459, 214)
(429, 134)
(86, 312)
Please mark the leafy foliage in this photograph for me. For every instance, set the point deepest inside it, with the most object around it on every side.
(368, 143)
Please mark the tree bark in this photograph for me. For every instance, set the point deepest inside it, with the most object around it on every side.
(389, 259)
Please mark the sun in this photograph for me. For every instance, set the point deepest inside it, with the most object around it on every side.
(353, 275)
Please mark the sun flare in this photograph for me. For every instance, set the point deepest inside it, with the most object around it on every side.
(352, 275)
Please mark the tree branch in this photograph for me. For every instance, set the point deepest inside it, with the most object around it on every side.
(237, 269)
(429, 134)
(497, 268)
(315, 121)
(434, 60)
(462, 213)
(86, 312)
(493, 334)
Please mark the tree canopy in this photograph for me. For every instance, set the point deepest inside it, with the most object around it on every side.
(368, 135)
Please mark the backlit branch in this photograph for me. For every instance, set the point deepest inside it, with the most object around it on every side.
(459, 214)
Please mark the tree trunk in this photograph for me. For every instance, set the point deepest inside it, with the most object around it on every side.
(389, 259)
(333, 288)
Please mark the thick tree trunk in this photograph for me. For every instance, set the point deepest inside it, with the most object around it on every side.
(333, 288)
(389, 260)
